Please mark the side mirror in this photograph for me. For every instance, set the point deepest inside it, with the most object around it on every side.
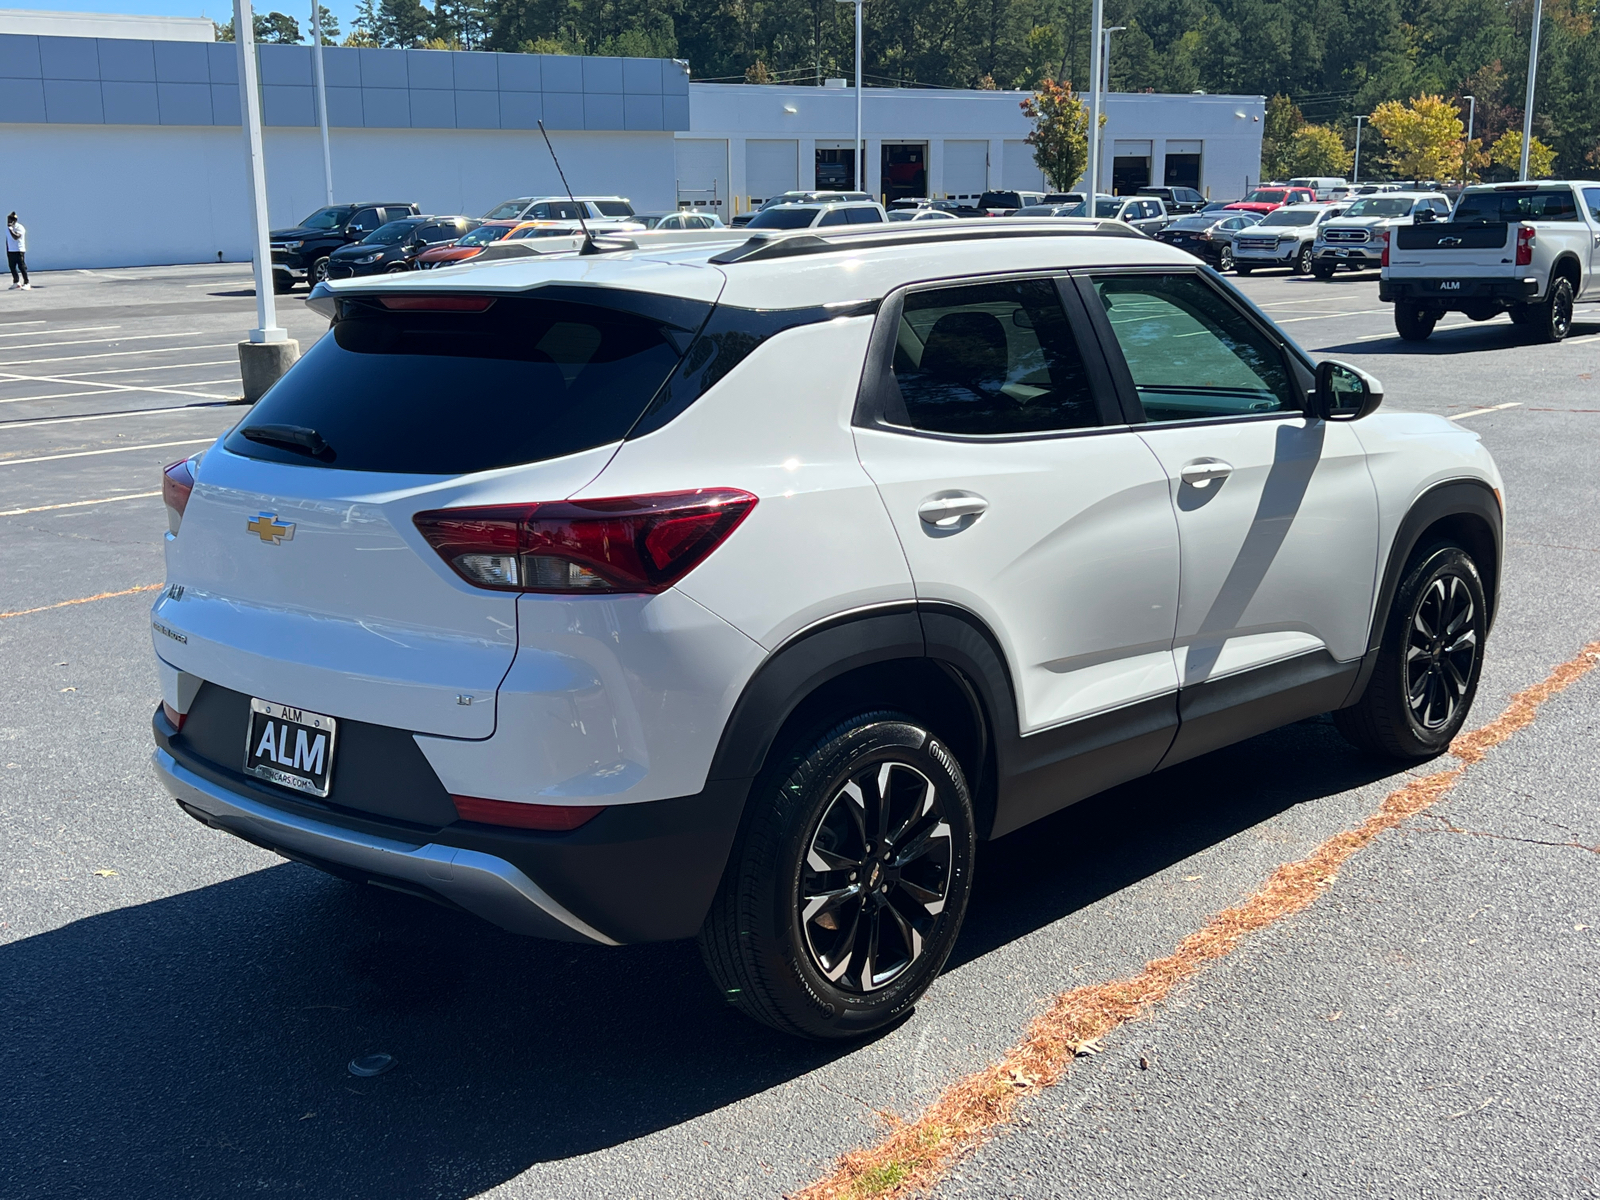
(1425, 216)
(1344, 393)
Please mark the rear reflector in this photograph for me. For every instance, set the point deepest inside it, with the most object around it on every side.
(556, 818)
(425, 303)
(628, 544)
(173, 715)
(177, 482)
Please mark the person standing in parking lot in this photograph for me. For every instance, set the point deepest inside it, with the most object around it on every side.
(17, 253)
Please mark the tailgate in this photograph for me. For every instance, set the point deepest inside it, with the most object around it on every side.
(1429, 251)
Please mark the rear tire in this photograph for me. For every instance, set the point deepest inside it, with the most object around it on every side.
(1551, 321)
(1523, 314)
(846, 890)
(1429, 661)
(282, 282)
(1225, 259)
(1413, 322)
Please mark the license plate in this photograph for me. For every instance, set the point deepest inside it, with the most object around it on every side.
(290, 747)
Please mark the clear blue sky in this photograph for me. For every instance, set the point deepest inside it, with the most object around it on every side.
(220, 11)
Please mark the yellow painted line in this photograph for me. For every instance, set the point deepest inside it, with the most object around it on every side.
(17, 512)
(17, 462)
(23, 612)
(1478, 412)
(914, 1155)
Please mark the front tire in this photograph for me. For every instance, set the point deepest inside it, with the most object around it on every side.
(1552, 320)
(848, 885)
(319, 271)
(1225, 259)
(282, 282)
(1303, 262)
(1413, 322)
(1429, 662)
(1324, 271)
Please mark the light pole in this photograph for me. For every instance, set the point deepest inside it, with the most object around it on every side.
(1466, 154)
(270, 351)
(1105, 82)
(1527, 105)
(322, 96)
(1356, 170)
(859, 154)
(1096, 37)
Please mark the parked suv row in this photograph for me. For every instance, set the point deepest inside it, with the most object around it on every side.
(734, 588)
(301, 254)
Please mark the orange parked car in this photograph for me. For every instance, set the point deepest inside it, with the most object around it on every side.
(466, 247)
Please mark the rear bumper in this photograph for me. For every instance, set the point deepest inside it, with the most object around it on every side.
(1438, 292)
(635, 873)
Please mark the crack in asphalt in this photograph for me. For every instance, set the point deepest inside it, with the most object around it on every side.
(1447, 826)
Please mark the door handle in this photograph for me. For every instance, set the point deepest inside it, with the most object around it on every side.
(946, 512)
(1200, 472)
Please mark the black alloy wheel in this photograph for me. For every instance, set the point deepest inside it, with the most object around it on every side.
(396, 267)
(1303, 261)
(1429, 662)
(848, 883)
(1554, 320)
(1225, 258)
(877, 876)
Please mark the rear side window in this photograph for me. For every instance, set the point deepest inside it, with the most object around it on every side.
(990, 358)
(863, 216)
(785, 216)
(614, 208)
(449, 393)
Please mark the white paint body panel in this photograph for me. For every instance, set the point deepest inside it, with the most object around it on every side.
(354, 616)
(1280, 557)
(1074, 565)
(612, 700)
(817, 542)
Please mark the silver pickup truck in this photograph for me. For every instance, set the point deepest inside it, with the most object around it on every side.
(1527, 249)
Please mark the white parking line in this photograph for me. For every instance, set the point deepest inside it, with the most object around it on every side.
(111, 388)
(103, 390)
(142, 337)
(10, 324)
(1478, 412)
(17, 462)
(111, 416)
(18, 512)
(1360, 312)
(26, 362)
(1592, 337)
(77, 329)
(210, 362)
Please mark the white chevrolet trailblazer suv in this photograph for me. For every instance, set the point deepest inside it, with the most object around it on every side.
(734, 587)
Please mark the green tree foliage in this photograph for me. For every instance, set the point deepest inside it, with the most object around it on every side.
(1060, 137)
(1284, 118)
(269, 27)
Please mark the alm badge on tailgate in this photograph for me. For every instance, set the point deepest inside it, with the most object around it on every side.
(290, 747)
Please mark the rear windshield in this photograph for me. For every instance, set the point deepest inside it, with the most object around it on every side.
(785, 216)
(1493, 208)
(1193, 223)
(449, 393)
(1000, 200)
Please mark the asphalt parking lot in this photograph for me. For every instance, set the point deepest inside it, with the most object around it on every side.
(178, 1007)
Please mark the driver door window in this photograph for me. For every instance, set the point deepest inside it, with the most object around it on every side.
(1191, 354)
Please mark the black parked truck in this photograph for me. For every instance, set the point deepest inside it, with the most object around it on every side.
(301, 254)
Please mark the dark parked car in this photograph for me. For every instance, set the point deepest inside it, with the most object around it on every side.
(1177, 199)
(1208, 235)
(301, 254)
(395, 246)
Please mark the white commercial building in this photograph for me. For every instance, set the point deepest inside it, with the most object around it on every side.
(745, 144)
(124, 142)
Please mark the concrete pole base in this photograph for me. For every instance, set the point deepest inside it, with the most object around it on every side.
(263, 363)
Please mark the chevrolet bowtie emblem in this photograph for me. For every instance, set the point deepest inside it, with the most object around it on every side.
(268, 528)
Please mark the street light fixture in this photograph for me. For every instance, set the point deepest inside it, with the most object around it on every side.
(1527, 105)
(1466, 154)
(322, 96)
(1096, 39)
(1356, 171)
(859, 154)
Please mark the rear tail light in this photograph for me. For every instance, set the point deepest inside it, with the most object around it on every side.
(177, 482)
(627, 544)
(553, 818)
(429, 303)
(173, 715)
(1525, 242)
(1382, 238)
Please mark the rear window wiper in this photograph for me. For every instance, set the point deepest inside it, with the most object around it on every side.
(298, 438)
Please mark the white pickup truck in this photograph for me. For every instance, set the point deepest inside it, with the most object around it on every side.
(1527, 249)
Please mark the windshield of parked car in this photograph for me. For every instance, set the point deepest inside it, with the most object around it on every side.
(785, 216)
(391, 234)
(1379, 206)
(483, 234)
(1107, 208)
(540, 231)
(1288, 216)
(1000, 200)
(328, 218)
(1267, 196)
(1492, 208)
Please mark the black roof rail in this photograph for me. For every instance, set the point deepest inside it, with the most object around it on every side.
(762, 247)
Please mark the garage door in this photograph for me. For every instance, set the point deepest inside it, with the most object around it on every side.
(771, 167)
(703, 174)
(1021, 171)
(966, 169)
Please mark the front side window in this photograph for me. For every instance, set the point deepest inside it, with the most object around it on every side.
(990, 358)
(1191, 353)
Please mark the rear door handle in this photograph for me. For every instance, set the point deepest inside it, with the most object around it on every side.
(1201, 471)
(946, 512)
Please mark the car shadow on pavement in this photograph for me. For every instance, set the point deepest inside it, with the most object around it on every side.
(197, 1045)
(1098, 847)
(1495, 334)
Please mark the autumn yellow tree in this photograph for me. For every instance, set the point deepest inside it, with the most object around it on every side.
(1060, 137)
(1316, 150)
(1424, 138)
(1507, 152)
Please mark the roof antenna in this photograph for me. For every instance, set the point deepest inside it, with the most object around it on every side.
(589, 246)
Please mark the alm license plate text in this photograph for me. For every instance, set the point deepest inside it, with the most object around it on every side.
(290, 747)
